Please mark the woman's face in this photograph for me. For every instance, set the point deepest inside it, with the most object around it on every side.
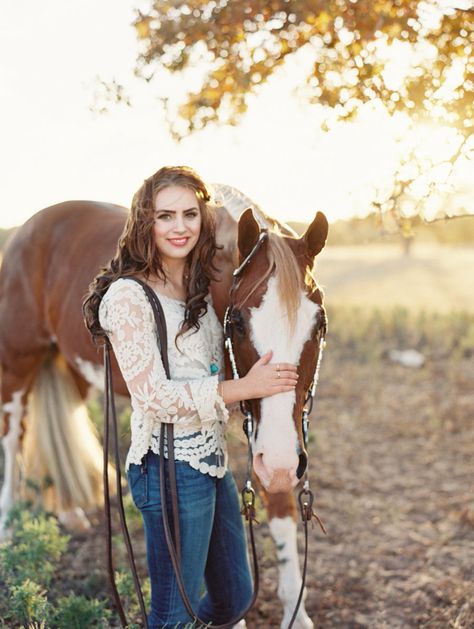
(177, 222)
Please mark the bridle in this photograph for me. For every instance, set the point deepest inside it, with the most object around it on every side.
(305, 496)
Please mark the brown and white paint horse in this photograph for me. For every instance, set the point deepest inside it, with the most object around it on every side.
(48, 362)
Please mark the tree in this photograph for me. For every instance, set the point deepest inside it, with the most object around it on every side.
(240, 44)
(422, 184)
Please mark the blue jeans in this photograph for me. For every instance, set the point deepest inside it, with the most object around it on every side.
(213, 546)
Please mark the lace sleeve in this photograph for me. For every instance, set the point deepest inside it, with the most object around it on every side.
(127, 317)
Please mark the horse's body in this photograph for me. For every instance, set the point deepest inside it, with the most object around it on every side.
(45, 273)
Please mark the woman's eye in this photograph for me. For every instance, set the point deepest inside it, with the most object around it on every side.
(191, 214)
(163, 217)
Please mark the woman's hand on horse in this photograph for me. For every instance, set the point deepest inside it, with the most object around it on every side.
(265, 379)
(262, 380)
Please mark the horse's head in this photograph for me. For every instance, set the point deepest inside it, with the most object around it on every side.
(275, 304)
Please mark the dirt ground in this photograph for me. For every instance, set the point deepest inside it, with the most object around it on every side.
(391, 467)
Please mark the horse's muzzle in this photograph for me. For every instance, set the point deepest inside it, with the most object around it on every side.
(275, 480)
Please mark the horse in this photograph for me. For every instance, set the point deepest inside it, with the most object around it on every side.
(48, 362)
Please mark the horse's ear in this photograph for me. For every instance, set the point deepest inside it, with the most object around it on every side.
(316, 234)
(249, 231)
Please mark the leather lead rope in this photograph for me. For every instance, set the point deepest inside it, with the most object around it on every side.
(108, 521)
(111, 418)
(306, 496)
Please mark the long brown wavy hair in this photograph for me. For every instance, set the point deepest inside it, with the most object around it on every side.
(138, 255)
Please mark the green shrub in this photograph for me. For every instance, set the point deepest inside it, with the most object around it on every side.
(15, 515)
(128, 596)
(34, 549)
(27, 564)
(78, 612)
(28, 602)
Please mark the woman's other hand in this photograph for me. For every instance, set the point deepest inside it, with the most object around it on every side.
(265, 379)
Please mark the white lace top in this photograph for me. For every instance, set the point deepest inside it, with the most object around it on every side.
(190, 399)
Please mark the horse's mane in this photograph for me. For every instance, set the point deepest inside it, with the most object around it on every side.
(286, 268)
(281, 259)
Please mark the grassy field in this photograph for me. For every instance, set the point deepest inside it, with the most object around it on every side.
(434, 278)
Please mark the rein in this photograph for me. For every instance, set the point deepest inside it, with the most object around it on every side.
(172, 541)
(305, 496)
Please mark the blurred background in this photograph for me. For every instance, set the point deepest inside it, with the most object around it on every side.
(363, 110)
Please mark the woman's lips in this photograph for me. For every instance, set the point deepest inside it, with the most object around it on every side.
(178, 242)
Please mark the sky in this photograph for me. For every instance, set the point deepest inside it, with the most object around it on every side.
(54, 148)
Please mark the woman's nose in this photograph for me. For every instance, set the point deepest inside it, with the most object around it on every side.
(179, 224)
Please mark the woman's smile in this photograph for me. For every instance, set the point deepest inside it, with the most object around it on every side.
(178, 242)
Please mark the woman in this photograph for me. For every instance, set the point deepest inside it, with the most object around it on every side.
(169, 242)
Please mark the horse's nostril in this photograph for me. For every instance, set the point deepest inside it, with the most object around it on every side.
(303, 462)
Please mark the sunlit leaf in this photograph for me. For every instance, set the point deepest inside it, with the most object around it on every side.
(240, 44)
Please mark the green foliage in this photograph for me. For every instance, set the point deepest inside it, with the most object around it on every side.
(17, 513)
(95, 409)
(27, 565)
(36, 546)
(129, 598)
(28, 602)
(78, 612)
(240, 45)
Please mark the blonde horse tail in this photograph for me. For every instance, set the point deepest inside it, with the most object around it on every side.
(62, 455)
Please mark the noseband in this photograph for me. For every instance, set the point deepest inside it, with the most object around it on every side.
(305, 497)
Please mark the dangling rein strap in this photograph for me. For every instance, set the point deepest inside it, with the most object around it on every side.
(111, 418)
(173, 541)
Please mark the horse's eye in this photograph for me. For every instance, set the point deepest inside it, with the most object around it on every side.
(238, 322)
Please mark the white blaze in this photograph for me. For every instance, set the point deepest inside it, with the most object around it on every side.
(277, 437)
(11, 443)
(93, 373)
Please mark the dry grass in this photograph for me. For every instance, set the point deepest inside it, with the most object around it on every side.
(433, 278)
(391, 468)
